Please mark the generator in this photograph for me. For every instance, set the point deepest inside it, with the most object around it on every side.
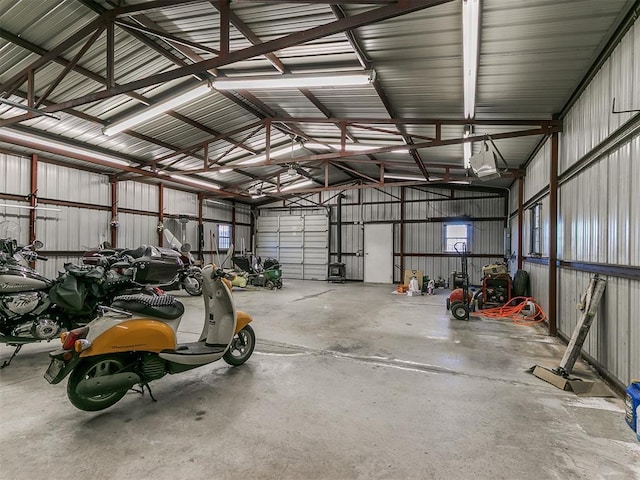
(495, 291)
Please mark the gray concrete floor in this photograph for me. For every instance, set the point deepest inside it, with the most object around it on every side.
(347, 382)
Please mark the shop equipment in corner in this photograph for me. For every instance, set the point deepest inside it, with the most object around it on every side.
(561, 376)
(460, 302)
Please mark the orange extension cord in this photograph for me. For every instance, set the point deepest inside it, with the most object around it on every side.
(513, 309)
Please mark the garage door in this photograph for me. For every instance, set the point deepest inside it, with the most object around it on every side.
(300, 242)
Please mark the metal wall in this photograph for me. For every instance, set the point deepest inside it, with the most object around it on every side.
(138, 196)
(598, 213)
(72, 185)
(14, 174)
(425, 210)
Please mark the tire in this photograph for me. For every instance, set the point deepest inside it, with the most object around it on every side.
(448, 304)
(270, 285)
(241, 347)
(94, 367)
(460, 311)
(192, 284)
(521, 283)
(479, 303)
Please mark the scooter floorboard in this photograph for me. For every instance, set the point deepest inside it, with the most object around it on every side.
(197, 348)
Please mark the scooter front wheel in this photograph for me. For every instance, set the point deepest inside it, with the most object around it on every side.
(193, 285)
(92, 368)
(241, 347)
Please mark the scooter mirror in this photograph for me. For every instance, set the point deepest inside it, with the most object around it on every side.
(37, 244)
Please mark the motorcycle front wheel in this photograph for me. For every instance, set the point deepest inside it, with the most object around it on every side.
(192, 285)
(241, 347)
(91, 368)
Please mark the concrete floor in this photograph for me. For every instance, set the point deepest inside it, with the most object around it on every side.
(347, 382)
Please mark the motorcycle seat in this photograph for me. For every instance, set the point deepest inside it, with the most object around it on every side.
(165, 307)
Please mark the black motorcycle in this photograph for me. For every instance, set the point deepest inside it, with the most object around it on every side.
(34, 308)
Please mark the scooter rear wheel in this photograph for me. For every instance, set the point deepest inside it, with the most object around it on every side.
(95, 367)
(241, 347)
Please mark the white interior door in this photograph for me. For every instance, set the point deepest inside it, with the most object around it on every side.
(378, 253)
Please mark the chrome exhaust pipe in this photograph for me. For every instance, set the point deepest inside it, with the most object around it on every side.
(107, 384)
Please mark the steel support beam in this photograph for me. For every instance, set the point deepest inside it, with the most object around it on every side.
(553, 237)
(520, 221)
(366, 18)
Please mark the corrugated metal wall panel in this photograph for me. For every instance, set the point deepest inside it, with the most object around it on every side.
(14, 174)
(180, 203)
(72, 185)
(615, 331)
(138, 196)
(136, 230)
(537, 175)
(539, 283)
(590, 120)
(218, 210)
(72, 228)
(14, 222)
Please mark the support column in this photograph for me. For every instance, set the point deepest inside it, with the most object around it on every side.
(114, 210)
(200, 228)
(553, 237)
(160, 210)
(33, 197)
(520, 220)
(233, 224)
(402, 195)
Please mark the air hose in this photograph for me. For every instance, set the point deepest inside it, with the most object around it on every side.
(521, 310)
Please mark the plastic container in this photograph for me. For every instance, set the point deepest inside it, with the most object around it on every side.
(632, 407)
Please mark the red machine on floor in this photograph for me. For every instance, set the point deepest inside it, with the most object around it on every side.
(496, 287)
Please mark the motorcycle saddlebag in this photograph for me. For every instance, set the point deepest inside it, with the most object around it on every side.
(156, 270)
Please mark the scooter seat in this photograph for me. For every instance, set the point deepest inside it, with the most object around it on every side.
(165, 307)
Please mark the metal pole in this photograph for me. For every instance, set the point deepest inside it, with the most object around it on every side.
(520, 219)
(553, 237)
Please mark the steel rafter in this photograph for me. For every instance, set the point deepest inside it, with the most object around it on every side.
(366, 18)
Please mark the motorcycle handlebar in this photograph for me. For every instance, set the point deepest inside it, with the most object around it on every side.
(40, 257)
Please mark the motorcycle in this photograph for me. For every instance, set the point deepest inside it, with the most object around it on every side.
(188, 275)
(134, 342)
(34, 308)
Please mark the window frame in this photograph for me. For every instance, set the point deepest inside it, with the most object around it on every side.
(446, 237)
(535, 230)
(221, 231)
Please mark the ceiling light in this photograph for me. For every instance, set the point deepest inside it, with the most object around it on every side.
(225, 170)
(295, 81)
(353, 147)
(257, 196)
(194, 181)
(155, 110)
(470, 47)
(293, 186)
(272, 154)
(405, 177)
(467, 150)
(57, 147)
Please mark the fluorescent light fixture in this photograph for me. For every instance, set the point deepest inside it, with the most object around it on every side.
(467, 146)
(273, 153)
(393, 176)
(353, 147)
(225, 170)
(470, 47)
(257, 196)
(194, 181)
(57, 147)
(155, 110)
(29, 207)
(303, 80)
(293, 186)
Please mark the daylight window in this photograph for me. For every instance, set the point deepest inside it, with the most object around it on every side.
(224, 236)
(456, 234)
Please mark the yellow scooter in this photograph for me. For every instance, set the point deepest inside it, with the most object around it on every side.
(134, 342)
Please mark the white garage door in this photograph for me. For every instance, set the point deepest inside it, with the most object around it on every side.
(299, 242)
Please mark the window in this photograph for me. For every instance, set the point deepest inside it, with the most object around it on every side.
(224, 237)
(456, 233)
(535, 244)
